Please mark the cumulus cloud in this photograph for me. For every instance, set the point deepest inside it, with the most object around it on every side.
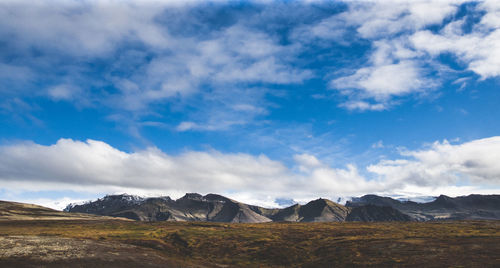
(479, 49)
(444, 164)
(394, 71)
(95, 166)
(402, 40)
(375, 19)
(382, 81)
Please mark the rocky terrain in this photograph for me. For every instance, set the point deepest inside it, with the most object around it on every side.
(191, 207)
(479, 207)
(217, 208)
(53, 251)
(320, 210)
(211, 207)
(371, 213)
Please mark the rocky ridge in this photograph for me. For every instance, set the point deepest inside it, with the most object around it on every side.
(471, 207)
(217, 208)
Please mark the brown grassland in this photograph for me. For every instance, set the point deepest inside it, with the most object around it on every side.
(203, 244)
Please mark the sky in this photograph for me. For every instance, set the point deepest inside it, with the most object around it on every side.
(266, 102)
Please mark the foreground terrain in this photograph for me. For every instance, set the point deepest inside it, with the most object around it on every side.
(105, 243)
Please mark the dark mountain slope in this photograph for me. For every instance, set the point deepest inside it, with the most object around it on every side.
(290, 213)
(212, 207)
(191, 207)
(320, 210)
(217, 208)
(371, 213)
(444, 207)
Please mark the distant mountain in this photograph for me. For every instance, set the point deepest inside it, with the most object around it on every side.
(191, 207)
(443, 207)
(371, 213)
(217, 208)
(320, 210)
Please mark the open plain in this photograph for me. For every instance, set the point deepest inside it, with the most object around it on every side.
(118, 243)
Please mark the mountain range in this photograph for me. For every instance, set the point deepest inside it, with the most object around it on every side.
(469, 207)
(217, 208)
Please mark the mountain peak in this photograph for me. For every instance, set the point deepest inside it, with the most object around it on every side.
(124, 197)
(216, 197)
(322, 210)
(214, 207)
(444, 197)
(192, 196)
(445, 201)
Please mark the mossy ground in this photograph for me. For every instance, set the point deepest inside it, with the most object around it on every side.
(429, 244)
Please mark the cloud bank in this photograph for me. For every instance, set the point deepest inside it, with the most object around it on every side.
(95, 166)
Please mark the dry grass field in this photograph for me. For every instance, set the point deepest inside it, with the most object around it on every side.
(105, 243)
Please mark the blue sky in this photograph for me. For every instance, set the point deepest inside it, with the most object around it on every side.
(255, 100)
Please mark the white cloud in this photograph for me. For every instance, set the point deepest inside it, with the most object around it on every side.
(240, 54)
(401, 39)
(143, 57)
(183, 126)
(364, 106)
(479, 50)
(217, 72)
(332, 29)
(376, 19)
(94, 166)
(382, 82)
(307, 162)
(225, 58)
(394, 71)
(444, 164)
(84, 28)
(228, 57)
(63, 92)
(175, 66)
(394, 68)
